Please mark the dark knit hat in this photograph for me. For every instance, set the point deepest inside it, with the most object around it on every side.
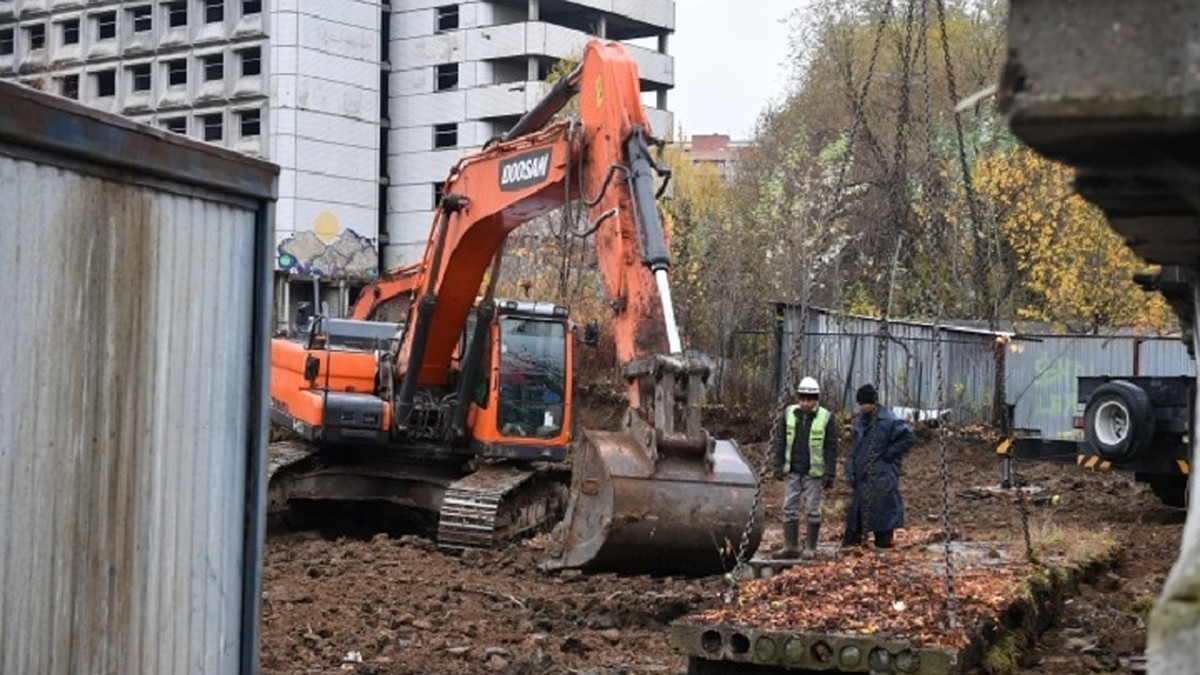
(866, 394)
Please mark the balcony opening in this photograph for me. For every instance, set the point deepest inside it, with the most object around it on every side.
(36, 36)
(213, 128)
(106, 26)
(250, 122)
(447, 18)
(251, 61)
(177, 14)
(140, 75)
(106, 83)
(214, 11)
(446, 76)
(445, 135)
(143, 18)
(177, 72)
(70, 32)
(68, 86)
(214, 67)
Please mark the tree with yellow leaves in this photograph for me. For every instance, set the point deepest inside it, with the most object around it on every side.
(1070, 267)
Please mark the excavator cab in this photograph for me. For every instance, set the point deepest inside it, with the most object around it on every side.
(522, 408)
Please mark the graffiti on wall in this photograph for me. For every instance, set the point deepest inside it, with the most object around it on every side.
(1052, 395)
(329, 251)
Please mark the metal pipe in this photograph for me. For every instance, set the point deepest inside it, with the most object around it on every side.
(420, 329)
(560, 93)
(674, 344)
(473, 358)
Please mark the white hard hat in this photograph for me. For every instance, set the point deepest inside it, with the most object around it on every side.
(808, 387)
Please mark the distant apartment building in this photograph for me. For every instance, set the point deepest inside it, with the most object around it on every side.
(364, 104)
(715, 150)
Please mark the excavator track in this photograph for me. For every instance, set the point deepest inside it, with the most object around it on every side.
(495, 505)
(282, 456)
(489, 507)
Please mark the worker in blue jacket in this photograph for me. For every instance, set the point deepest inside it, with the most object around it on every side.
(879, 444)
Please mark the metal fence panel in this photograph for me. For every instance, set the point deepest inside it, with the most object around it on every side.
(1040, 371)
(134, 284)
(843, 352)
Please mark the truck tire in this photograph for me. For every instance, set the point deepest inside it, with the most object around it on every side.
(1118, 420)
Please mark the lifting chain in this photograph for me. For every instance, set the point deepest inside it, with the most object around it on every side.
(1006, 429)
(765, 467)
(947, 527)
(857, 102)
(864, 511)
(964, 164)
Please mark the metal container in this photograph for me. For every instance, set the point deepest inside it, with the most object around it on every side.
(134, 283)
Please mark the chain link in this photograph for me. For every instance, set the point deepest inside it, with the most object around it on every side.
(947, 527)
(964, 164)
(767, 460)
(744, 546)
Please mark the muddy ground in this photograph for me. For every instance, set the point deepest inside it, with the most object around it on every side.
(394, 604)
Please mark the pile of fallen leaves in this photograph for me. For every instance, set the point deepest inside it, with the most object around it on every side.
(889, 593)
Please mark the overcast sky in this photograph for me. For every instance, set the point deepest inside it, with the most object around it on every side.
(729, 63)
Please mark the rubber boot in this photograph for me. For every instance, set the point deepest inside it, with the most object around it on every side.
(883, 539)
(791, 538)
(810, 540)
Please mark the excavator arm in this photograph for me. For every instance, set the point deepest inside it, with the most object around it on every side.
(659, 479)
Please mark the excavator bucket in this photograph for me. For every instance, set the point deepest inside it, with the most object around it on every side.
(682, 514)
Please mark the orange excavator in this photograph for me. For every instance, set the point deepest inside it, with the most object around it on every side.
(462, 410)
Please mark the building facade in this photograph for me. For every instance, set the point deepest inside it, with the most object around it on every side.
(364, 104)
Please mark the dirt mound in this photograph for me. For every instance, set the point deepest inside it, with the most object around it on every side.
(389, 606)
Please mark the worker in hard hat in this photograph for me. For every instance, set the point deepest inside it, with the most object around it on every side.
(806, 449)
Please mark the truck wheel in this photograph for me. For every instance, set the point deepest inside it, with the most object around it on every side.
(1171, 489)
(1118, 420)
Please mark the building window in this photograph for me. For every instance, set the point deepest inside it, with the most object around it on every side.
(251, 61)
(447, 17)
(70, 32)
(176, 14)
(214, 11)
(177, 72)
(446, 76)
(7, 42)
(106, 83)
(445, 135)
(140, 75)
(214, 67)
(250, 7)
(437, 194)
(176, 125)
(36, 35)
(212, 127)
(251, 122)
(69, 86)
(143, 18)
(106, 26)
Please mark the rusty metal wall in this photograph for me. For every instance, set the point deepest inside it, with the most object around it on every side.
(134, 273)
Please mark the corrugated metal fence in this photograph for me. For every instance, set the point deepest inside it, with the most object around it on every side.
(135, 287)
(1039, 371)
